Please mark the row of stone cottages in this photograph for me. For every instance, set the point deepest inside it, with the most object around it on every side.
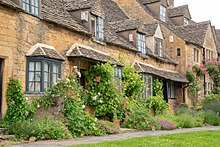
(42, 39)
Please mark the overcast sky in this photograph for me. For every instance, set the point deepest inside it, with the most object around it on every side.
(202, 10)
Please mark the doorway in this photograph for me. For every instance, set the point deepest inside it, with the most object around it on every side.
(1, 84)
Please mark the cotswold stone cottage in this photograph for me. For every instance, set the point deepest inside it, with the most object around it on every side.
(43, 40)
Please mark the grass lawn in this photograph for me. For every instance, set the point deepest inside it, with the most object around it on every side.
(192, 139)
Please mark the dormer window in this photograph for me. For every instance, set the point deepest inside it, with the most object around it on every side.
(158, 50)
(186, 21)
(97, 27)
(31, 6)
(141, 45)
(163, 13)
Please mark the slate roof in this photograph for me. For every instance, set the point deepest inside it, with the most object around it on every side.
(178, 11)
(149, 1)
(193, 33)
(218, 39)
(128, 24)
(150, 29)
(9, 3)
(42, 50)
(56, 11)
(73, 5)
(170, 75)
(78, 50)
(112, 37)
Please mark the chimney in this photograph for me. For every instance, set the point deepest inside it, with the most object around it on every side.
(170, 3)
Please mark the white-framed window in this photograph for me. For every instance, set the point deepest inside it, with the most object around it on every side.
(118, 77)
(148, 85)
(209, 54)
(97, 27)
(158, 50)
(41, 74)
(171, 90)
(31, 6)
(100, 28)
(163, 13)
(141, 43)
(186, 21)
(196, 55)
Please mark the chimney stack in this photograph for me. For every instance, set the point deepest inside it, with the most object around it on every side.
(170, 3)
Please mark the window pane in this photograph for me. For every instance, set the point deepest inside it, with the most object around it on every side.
(31, 86)
(31, 76)
(38, 66)
(46, 67)
(46, 77)
(31, 66)
(37, 87)
(55, 78)
(55, 68)
(38, 76)
(36, 3)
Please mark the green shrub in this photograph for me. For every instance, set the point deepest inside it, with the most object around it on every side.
(212, 97)
(103, 95)
(211, 118)
(78, 121)
(184, 105)
(108, 127)
(18, 107)
(132, 83)
(142, 120)
(156, 105)
(188, 118)
(212, 105)
(45, 129)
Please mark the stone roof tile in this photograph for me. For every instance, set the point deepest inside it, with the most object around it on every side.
(42, 50)
(167, 74)
(218, 39)
(78, 50)
(177, 11)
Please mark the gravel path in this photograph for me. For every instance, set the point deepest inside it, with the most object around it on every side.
(123, 136)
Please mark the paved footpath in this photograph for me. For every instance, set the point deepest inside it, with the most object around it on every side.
(123, 136)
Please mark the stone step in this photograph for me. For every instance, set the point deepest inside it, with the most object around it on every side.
(126, 130)
(3, 130)
(6, 137)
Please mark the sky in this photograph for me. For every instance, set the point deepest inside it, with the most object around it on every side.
(203, 10)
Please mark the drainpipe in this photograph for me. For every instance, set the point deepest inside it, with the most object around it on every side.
(204, 84)
(184, 89)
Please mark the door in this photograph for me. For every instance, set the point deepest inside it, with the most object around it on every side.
(1, 83)
(165, 90)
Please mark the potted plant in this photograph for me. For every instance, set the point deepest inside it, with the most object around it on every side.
(116, 120)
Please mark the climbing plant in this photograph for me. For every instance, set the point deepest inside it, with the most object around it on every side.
(102, 95)
(18, 107)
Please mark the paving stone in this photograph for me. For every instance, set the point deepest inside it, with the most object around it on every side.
(122, 136)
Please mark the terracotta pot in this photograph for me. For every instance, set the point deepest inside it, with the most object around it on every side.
(97, 79)
(117, 122)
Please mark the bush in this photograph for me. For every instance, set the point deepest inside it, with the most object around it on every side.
(108, 127)
(212, 97)
(103, 95)
(184, 105)
(78, 121)
(45, 129)
(211, 118)
(156, 105)
(142, 120)
(212, 105)
(167, 125)
(188, 118)
(18, 107)
(132, 83)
